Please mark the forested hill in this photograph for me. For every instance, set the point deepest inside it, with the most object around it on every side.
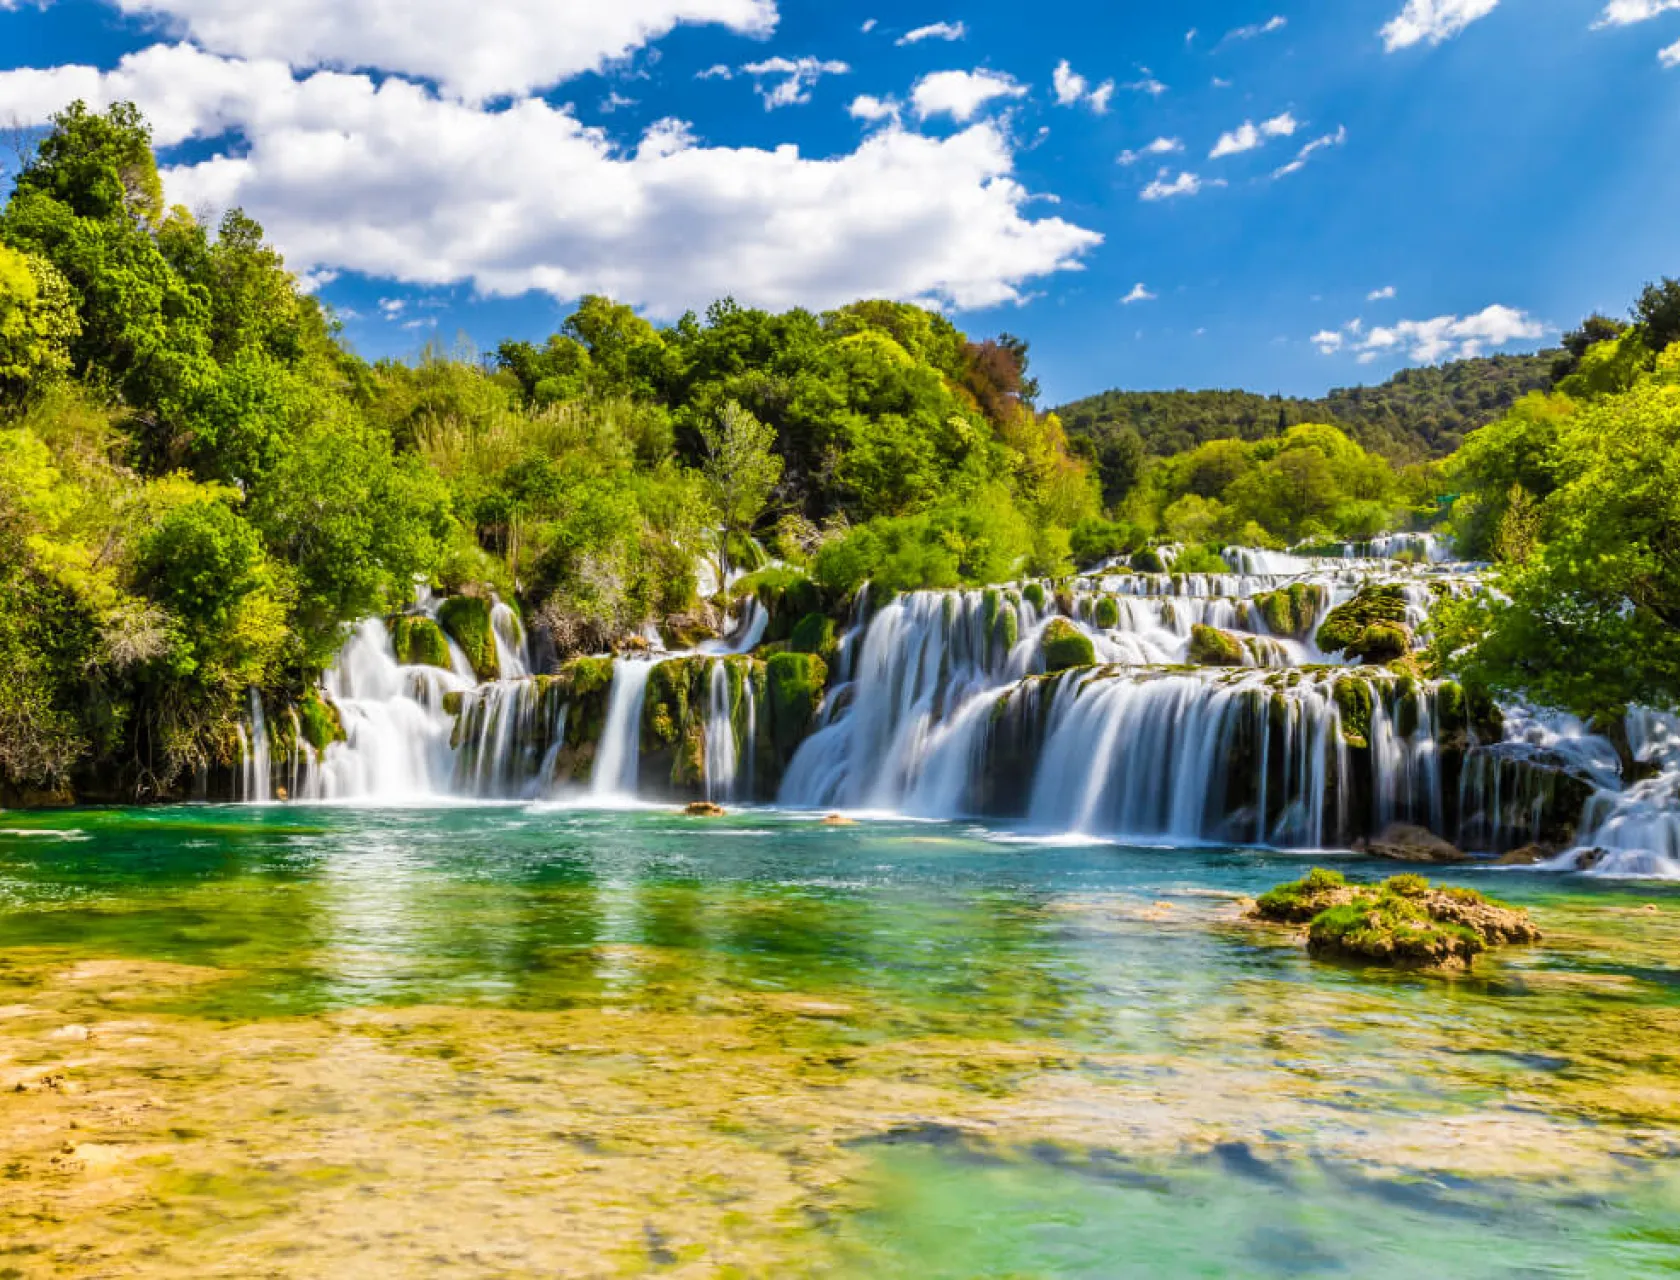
(1417, 414)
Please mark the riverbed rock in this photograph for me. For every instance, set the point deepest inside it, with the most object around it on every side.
(1298, 903)
(1403, 842)
(839, 820)
(704, 809)
(1527, 856)
(467, 620)
(417, 641)
(1371, 627)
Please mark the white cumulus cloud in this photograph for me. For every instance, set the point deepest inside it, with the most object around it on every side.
(1433, 21)
(1167, 187)
(1431, 341)
(791, 78)
(961, 94)
(872, 110)
(1160, 147)
(934, 31)
(1621, 13)
(1139, 293)
(391, 181)
(1670, 57)
(1380, 295)
(1248, 135)
(499, 48)
(1072, 89)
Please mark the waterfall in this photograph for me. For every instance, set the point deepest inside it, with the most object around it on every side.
(620, 750)
(720, 737)
(257, 780)
(1635, 831)
(509, 639)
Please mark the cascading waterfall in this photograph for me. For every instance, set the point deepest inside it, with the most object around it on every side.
(1636, 831)
(257, 773)
(619, 754)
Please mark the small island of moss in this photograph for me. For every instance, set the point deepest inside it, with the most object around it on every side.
(1404, 922)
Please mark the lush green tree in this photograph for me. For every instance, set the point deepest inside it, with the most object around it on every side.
(741, 468)
(37, 323)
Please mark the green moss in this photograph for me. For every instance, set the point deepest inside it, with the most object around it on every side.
(453, 702)
(1033, 594)
(1393, 929)
(1299, 902)
(1107, 613)
(419, 642)
(794, 688)
(1353, 699)
(467, 620)
(1371, 626)
(788, 595)
(1449, 707)
(1065, 646)
(1005, 634)
(1210, 647)
(319, 721)
(585, 676)
(1290, 611)
(814, 634)
(1147, 561)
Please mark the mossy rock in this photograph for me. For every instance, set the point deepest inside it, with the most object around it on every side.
(1354, 700)
(419, 642)
(788, 595)
(1371, 627)
(467, 620)
(1005, 634)
(815, 634)
(1298, 902)
(1148, 561)
(319, 721)
(794, 688)
(1290, 611)
(1033, 594)
(1210, 647)
(1065, 646)
(1107, 613)
(453, 702)
(1403, 923)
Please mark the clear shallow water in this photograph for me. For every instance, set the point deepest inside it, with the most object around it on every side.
(520, 1040)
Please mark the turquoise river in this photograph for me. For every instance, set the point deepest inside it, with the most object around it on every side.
(526, 1040)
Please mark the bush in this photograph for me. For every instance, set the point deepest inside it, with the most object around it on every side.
(1065, 647)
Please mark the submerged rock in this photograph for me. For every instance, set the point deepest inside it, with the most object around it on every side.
(704, 809)
(1403, 842)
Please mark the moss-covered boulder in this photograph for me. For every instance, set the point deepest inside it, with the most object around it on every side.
(787, 595)
(1033, 594)
(319, 722)
(1106, 614)
(794, 689)
(1371, 627)
(1403, 923)
(419, 642)
(1065, 646)
(815, 633)
(1148, 561)
(1290, 611)
(1355, 702)
(1211, 647)
(467, 620)
(1298, 902)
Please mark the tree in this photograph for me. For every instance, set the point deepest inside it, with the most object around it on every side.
(739, 463)
(100, 165)
(1658, 311)
(37, 323)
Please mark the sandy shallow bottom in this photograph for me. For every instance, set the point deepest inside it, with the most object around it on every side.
(692, 1108)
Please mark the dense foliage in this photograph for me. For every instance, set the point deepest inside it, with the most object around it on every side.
(201, 487)
(1576, 496)
(1416, 415)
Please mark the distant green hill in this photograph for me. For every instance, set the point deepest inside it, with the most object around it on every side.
(1417, 414)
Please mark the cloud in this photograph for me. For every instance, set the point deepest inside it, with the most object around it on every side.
(934, 31)
(1166, 188)
(1621, 13)
(1256, 30)
(872, 110)
(615, 101)
(719, 71)
(1305, 153)
(1139, 293)
(869, 25)
(1160, 147)
(500, 48)
(1072, 89)
(388, 180)
(1380, 295)
(1433, 21)
(798, 75)
(961, 94)
(1148, 84)
(1247, 136)
(1431, 341)
(1670, 57)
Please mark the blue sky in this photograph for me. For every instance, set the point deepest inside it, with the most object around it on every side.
(1338, 189)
